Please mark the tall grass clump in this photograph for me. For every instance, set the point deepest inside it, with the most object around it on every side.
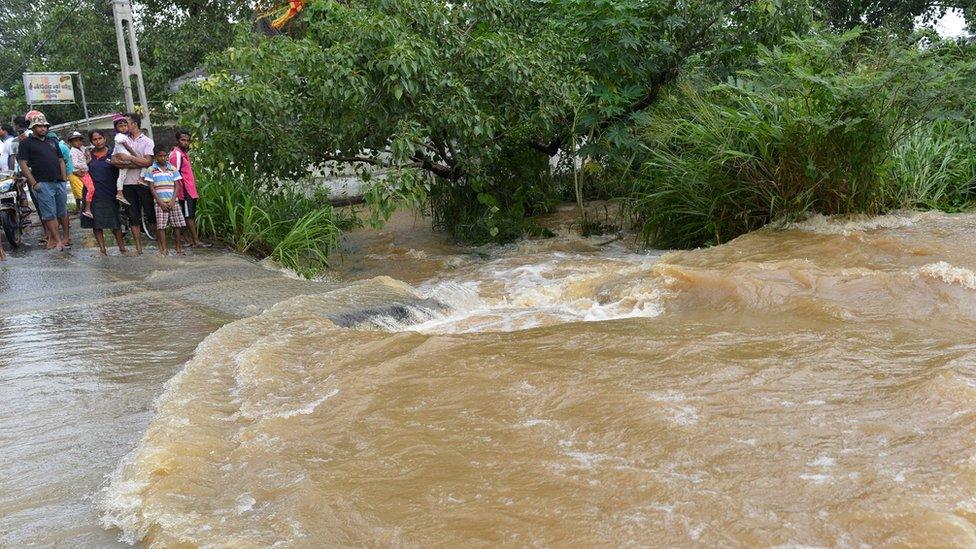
(832, 124)
(299, 231)
(934, 168)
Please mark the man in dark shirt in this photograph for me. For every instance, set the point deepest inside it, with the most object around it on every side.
(42, 164)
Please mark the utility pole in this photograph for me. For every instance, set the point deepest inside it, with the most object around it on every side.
(84, 102)
(124, 28)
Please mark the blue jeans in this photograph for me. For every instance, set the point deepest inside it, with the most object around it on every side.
(52, 199)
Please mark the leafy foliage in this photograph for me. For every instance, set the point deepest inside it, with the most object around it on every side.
(298, 230)
(900, 15)
(812, 129)
(457, 89)
(397, 87)
(79, 35)
(934, 168)
(406, 84)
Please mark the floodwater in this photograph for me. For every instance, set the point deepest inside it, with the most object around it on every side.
(808, 386)
(86, 344)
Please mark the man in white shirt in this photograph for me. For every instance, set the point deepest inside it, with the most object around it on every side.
(6, 138)
(141, 204)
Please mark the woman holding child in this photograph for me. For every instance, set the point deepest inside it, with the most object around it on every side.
(102, 195)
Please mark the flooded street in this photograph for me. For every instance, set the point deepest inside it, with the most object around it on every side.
(86, 344)
(809, 386)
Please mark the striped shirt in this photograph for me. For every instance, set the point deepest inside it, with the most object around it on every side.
(163, 179)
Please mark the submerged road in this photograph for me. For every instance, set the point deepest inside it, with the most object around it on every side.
(86, 345)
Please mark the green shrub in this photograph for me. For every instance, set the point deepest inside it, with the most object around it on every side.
(934, 168)
(829, 124)
(498, 208)
(297, 230)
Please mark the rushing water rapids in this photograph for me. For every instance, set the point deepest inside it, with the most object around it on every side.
(808, 386)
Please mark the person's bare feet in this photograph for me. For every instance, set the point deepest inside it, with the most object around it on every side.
(162, 253)
(202, 244)
(103, 253)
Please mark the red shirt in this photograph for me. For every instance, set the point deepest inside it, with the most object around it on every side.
(181, 161)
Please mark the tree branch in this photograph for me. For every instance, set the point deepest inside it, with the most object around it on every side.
(440, 170)
(550, 148)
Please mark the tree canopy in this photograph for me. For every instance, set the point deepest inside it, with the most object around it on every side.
(444, 87)
(469, 92)
(473, 94)
(79, 35)
(901, 15)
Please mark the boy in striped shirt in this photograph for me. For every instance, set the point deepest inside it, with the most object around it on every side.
(163, 178)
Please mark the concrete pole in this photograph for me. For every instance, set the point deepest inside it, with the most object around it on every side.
(84, 103)
(125, 28)
(121, 11)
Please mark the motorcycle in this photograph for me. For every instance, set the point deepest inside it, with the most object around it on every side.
(11, 220)
(148, 226)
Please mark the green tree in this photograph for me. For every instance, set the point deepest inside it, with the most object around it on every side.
(897, 15)
(460, 90)
(829, 124)
(79, 35)
(405, 85)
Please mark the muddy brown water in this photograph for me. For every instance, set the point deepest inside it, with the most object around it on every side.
(809, 386)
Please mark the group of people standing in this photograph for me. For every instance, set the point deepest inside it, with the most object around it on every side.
(151, 182)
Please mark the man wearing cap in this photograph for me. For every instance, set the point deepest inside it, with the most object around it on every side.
(42, 163)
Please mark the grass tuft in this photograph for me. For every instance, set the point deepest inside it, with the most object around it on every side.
(297, 230)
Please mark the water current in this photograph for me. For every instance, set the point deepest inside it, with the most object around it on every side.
(807, 386)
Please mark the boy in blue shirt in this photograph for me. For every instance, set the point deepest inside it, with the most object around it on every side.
(163, 178)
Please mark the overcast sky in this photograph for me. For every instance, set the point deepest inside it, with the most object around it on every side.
(952, 24)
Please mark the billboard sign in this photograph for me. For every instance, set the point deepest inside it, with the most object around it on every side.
(49, 88)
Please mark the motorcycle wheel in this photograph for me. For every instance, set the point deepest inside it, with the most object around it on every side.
(11, 230)
(148, 230)
(127, 223)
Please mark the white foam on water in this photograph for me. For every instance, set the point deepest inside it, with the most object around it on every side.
(556, 287)
(589, 460)
(685, 415)
(816, 478)
(308, 408)
(669, 395)
(949, 274)
(845, 225)
(245, 502)
(822, 461)
(121, 507)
